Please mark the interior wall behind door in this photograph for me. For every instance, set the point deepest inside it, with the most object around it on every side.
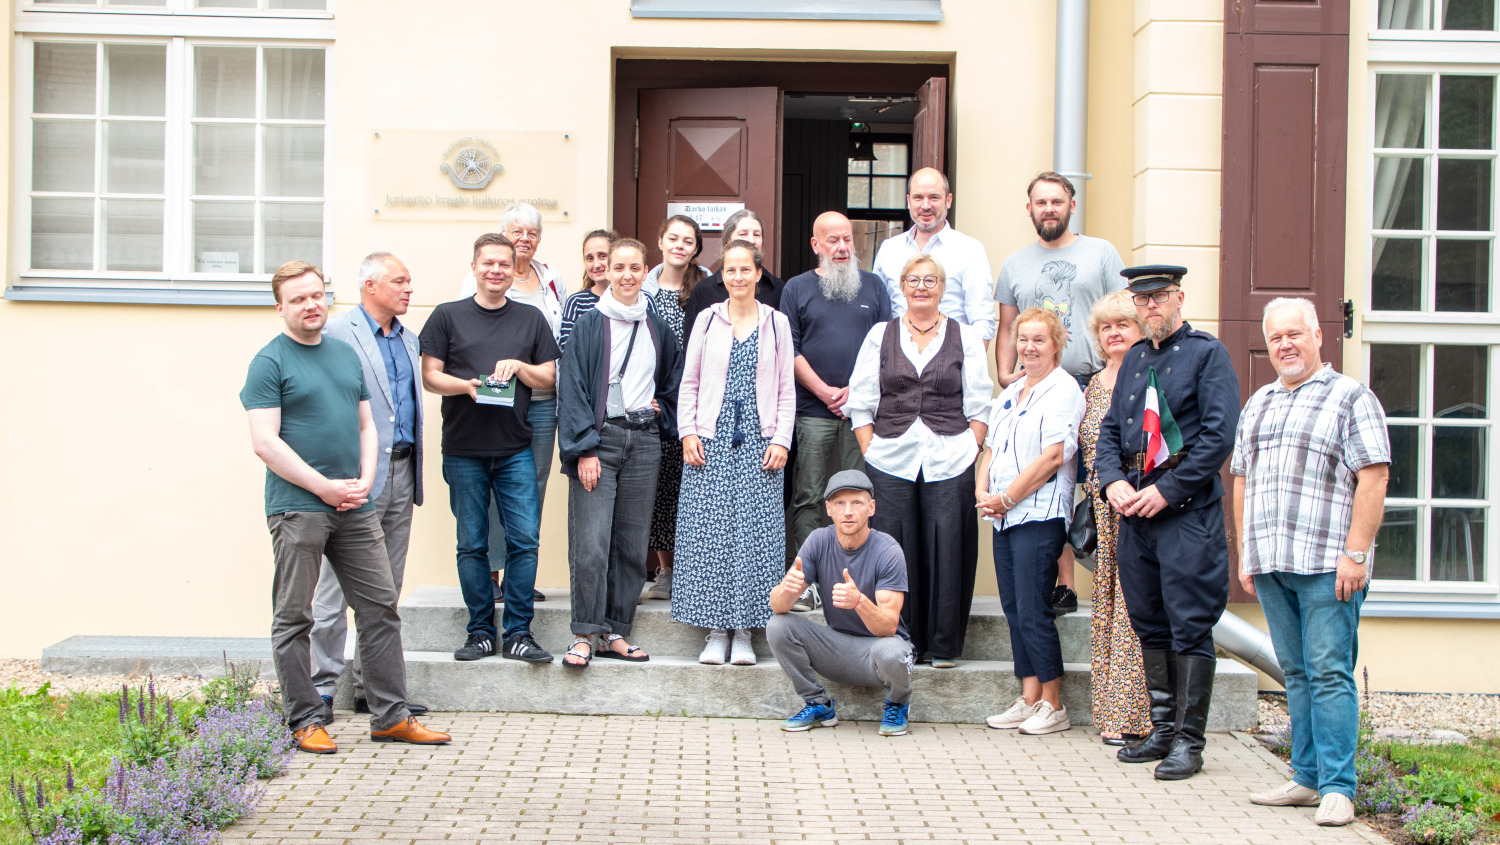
(814, 179)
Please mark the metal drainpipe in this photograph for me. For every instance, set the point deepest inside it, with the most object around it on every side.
(1071, 97)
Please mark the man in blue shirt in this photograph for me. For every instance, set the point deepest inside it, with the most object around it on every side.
(391, 359)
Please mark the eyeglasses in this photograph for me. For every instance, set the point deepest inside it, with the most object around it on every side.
(524, 235)
(920, 281)
(1158, 296)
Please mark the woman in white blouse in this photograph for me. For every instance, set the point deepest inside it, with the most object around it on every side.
(1026, 490)
(918, 400)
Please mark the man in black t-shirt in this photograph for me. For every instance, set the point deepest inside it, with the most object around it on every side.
(484, 355)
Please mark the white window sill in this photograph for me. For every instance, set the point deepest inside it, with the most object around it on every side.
(142, 296)
(1392, 607)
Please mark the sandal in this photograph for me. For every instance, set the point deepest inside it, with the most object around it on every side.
(631, 654)
(582, 657)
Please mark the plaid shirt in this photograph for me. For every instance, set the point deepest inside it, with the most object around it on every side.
(1298, 451)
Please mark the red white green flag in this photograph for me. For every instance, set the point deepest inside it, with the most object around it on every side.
(1162, 436)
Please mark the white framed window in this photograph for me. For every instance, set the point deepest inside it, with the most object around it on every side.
(280, 8)
(168, 168)
(1426, 17)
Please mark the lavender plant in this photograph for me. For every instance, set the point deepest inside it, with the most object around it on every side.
(1436, 824)
(253, 733)
(148, 732)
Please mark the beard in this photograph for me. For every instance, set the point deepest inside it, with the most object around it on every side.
(840, 282)
(929, 228)
(1051, 230)
(1157, 329)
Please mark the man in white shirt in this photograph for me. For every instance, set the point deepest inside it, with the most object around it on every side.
(967, 297)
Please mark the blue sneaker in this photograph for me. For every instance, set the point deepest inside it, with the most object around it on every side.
(894, 722)
(814, 715)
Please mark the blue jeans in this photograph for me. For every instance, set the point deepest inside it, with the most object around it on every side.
(1317, 644)
(512, 481)
(542, 415)
(1025, 570)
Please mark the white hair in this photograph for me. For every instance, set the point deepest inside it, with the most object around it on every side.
(373, 267)
(523, 213)
(1308, 310)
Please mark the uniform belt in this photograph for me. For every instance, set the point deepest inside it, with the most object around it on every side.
(634, 420)
(401, 452)
(1137, 461)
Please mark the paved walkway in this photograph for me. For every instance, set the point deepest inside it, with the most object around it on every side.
(543, 778)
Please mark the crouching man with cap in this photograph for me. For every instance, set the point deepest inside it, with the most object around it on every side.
(860, 574)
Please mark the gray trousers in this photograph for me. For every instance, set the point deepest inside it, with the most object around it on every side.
(355, 546)
(608, 529)
(824, 447)
(330, 620)
(806, 649)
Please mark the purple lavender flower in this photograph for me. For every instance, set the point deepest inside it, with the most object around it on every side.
(140, 709)
(124, 702)
(70, 777)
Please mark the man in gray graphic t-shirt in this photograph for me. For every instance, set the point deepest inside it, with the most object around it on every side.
(1062, 272)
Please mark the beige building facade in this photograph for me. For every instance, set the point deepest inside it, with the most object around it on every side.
(165, 157)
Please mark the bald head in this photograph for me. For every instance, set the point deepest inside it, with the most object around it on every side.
(833, 238)
(830, 221)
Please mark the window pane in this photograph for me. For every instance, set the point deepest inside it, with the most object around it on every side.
(1398, 193)
(137, 80)
(223, 236)
(1457, 544)
(294, 83)
(62, 234)
(1395, 376)
(1463, 195)
(294, 161)
(1463, 276)
(1396, 545)
(862, 167)
(1466, 113)
(135, 155)
(859, 192)
(62, 155)
(226, 4)
(64, 81)
(1401, 110)
(152, 3)
(133, 235)
(1457, 462)
(888, 192)
(1404, 461)
(63, 2)
(225, 81)
(224, 161)
(1397, 281)
(1469, 14)
(890, 159)
(1459, 376)
(293, 233)
(313, 5)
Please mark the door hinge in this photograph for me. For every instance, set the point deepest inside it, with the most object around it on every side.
(1348, 317)
(637, 153)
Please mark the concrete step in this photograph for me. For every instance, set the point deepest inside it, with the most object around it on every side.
(435, 619)
(680, 686)
(205, 656)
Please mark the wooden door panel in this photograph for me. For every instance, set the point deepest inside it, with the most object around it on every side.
(929, 142)
(1287, 16)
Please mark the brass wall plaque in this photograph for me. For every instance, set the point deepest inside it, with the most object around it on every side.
(420, 174)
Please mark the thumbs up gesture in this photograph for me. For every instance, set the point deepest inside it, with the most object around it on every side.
(794, 582)
(845, 594)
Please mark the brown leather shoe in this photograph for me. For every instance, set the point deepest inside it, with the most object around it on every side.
(314, 740)
(410, 731)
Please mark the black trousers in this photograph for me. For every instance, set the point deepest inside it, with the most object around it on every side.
(1174, 571)
(935, 523)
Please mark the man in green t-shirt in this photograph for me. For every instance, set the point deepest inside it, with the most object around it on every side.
(310, 422)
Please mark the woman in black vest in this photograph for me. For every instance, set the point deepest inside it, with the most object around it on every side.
(918, 401)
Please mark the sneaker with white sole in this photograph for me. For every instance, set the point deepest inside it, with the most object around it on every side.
(808, 601)
(741, 653)
(895, 719)
(1011, 719)
(661, 588)
(1046, 720)
(814, 715)
(1289, 794)
(1335, 810)
(718, 645)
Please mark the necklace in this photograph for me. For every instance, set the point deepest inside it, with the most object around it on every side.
(914, 328)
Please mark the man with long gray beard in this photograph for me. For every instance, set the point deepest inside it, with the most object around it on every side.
(830, 310)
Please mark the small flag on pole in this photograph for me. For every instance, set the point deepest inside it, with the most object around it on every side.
(1162, 436)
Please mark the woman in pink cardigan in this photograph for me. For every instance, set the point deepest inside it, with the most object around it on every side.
(734, 415)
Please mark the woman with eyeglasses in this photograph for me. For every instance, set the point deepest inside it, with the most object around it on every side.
(918, 400)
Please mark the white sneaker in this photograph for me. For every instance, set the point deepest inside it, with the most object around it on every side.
(718, 644)
(1289, 794)
(741, 652)
(1011, 719)
(1336, 810)
(662, 587)
(1046, 720)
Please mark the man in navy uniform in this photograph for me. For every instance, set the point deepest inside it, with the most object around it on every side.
(1160, 471)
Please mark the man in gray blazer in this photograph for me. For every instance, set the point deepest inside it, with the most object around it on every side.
(391, 358)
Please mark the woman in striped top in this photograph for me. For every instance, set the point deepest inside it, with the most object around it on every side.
(595, 261)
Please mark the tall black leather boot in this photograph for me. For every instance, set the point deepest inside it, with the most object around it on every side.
(1195, 688)
(1161, 686)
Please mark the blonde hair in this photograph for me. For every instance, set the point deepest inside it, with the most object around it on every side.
(1109, 308)
(1047, 317)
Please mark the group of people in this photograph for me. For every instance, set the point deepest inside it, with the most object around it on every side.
(679, 395)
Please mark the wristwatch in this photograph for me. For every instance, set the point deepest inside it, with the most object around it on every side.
(1357, 557)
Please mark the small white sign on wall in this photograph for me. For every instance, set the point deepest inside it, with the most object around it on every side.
(218, 262)
(710, 216)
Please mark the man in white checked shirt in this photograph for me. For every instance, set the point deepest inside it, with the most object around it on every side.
(1311, 460)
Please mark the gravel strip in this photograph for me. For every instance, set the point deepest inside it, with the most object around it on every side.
(29, 676)
(1399, 714)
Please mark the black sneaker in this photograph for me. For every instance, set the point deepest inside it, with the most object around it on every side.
(477, 646)
(327, 709)
(523, 647)
(1064, 601)
(363, 706)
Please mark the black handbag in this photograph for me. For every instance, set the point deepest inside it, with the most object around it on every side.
(1083, 533)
